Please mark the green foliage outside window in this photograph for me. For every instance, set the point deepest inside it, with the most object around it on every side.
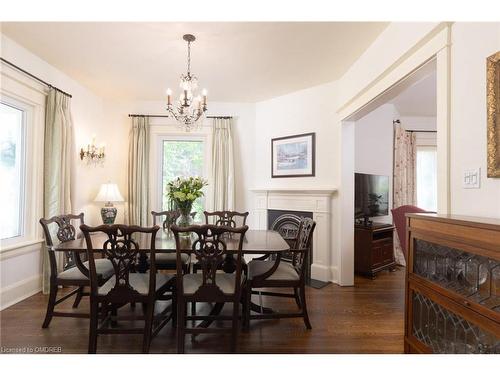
(182, 159)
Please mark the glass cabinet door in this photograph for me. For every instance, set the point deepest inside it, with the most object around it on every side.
(474, 277)
(446, 332)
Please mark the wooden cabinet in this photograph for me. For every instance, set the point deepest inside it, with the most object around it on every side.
(452, 302)
(373, 249)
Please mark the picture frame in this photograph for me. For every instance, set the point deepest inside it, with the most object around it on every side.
(293, 156)
(493, 114)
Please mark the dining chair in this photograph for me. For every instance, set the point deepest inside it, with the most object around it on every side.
(74, 272)
(208, 245)
(121, 247)
(273, 273)
(226, 218)
(167, 261)
(231, 219)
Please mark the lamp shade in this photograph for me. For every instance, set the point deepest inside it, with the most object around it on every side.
(109, 193)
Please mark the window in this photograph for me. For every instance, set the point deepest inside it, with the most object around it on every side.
(12, 159)
(182, 158)
(427, 177)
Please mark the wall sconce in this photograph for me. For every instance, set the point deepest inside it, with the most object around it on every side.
(92, 153)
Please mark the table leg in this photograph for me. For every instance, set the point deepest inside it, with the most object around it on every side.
(142, 264)
(229, 264)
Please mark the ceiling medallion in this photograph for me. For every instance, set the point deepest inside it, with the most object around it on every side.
(190, 108)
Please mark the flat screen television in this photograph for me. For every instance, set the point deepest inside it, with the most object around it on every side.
(371, 196)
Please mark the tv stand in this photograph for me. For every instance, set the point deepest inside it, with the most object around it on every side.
(373, 248)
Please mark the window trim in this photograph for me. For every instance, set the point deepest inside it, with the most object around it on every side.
(160, 131)
(27, 118)
(32, 95)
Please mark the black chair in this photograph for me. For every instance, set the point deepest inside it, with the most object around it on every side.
(277, 274)
(121, 247)
(226, 218)
(208, 286)
(223, 218)
(74, 273)
(166, 261)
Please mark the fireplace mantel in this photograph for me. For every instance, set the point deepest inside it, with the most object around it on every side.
(307, 191)
(318, 201)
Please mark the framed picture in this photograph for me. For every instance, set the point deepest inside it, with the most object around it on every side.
(293, 156)
(493, 114)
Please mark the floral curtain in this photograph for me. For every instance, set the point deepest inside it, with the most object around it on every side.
(404, 180)
(58, 140)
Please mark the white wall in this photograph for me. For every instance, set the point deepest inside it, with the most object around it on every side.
(373, 147)
(419, 122)
(305, 111)
(472, 43)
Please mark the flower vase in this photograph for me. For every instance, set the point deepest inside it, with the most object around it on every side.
(185, 219)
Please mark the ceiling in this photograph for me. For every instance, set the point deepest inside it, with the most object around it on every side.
(419, 99)
(235, 61)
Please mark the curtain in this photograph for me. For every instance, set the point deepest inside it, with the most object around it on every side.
(404, 182)
(138, 172)
(222, 165)
(57, 163)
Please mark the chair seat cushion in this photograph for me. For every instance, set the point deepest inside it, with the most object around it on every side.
(225, 281)
(284, 272)
(170, 258)
(138, 281)
(104, 269)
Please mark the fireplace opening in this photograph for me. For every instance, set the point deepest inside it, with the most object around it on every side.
(287, 223)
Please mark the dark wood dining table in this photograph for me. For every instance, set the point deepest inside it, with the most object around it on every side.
(256, 242)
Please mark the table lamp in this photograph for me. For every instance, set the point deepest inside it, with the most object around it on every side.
(108, 193)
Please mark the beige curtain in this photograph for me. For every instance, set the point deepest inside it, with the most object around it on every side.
(222, 165)
(404, 181)
(57, 164)
(138, 172)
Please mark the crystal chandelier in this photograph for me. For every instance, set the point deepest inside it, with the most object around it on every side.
(190, 108)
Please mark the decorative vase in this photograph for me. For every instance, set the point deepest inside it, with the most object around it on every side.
(108, 214)
(185, 219)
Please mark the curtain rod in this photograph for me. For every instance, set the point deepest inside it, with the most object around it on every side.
(414, 131)
(421, 131)
(34, 77)
(166, 116)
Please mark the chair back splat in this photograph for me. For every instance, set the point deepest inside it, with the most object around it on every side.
(66, 231)
(303, 244)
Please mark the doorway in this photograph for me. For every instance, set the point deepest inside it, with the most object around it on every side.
(434, 51)
(395, 164)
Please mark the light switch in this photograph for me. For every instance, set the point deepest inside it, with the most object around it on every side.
(472, 178)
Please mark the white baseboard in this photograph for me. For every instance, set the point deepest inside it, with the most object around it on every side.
(320, 272)
(334, 272)
(324, 273)
(16, 292)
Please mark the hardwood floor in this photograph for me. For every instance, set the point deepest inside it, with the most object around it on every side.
(366, 318)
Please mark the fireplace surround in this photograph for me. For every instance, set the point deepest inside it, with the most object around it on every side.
(314, 202)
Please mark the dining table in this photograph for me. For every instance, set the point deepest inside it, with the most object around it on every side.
(255, 242)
